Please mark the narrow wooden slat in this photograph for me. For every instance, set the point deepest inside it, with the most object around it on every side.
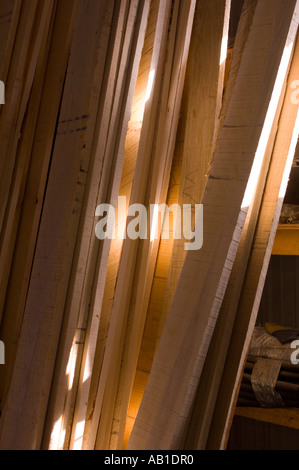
(191, 321)
(95, 18)
(200, 78)
(146, 256)
(8, 43)
(40, 154)
(248, 305)
(202, 412)
(22, 157)
(6, 26)
(33, 428)
(109, 370)
(131, 153)
(18, 85)
(287, 417)
(286, 240)
(210, 37)
(132, 44)
(107, 150)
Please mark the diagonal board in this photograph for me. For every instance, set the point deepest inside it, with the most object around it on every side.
(202, 98)
(207, 64)
(241, 143)
(211, 376)
(157, 185)
(256, 268)
(112, 356)
(95, 19)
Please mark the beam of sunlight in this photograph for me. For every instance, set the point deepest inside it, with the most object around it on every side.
(223, 53)
(259, 156)
(57, 435)
(150, 84)
(78, 439)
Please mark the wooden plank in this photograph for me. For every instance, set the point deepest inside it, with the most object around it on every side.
(131, 152)
(17, 89)
(6, 14)
(34, 427)
(107, 149)
(40, 154)
(36, 70)
(135, 33)
(210, 36)
(286, 240)
(207, 391)
(148, 127)
(191, 321)
(193, 111)
(94, 18)
(8, 43)
(158, 184)
(287, 417)
(256, 269)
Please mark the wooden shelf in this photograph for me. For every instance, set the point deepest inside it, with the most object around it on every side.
(286, 240)
(287, 417)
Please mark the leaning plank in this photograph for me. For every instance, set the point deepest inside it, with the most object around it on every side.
(257, 266)
(22, 152)
(39, 328)
(109, 194)
(8, 43)
(202, 412)
(6, 28)
(170, 391)
(104, 170)
(131, 152)
(208, 60)
(109, 371)
(18, 86)
(158, 183)
(95, 19)
(40, 154)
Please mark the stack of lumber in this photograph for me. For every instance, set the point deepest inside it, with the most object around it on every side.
(123, 343)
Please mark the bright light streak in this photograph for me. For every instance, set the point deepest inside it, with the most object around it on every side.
(223, 53)
(78, 440)
(57, 435)
(258, 159)
(154, 222)
(70, 369)
(150, 84)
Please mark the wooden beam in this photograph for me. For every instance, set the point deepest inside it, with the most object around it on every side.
(109, 372)
(286, 240)
(191, 321)
(210, 36)
(7, 11)
(18, 86)
(103, 299)
(109, 115)
(286, 417)
(202, 98)
(45, 101)
(201, 415)
(94, 18)
(257, 266)
(158, 183)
